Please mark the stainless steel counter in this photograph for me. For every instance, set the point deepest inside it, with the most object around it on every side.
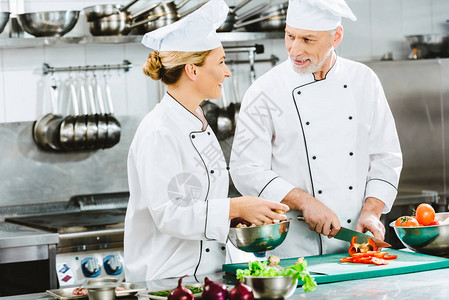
(20, 243)
(422, 285)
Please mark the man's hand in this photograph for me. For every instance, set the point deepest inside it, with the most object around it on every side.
(369, 218)
(318, 216)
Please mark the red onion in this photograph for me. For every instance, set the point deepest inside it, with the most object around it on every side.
(213, 290)
(180, 292)
(241, 292)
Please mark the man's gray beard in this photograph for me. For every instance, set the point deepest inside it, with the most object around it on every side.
(312, 68)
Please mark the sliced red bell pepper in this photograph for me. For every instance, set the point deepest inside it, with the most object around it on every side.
(346, 259)
(378, 261)
(352, 249)
(390, 257)
(371, 242)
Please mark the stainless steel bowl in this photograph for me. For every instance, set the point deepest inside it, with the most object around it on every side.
(96, 12)
(271, 287)
(433, 240)
(49, 23)
(259, 238)
(101, 288)
(429, 45)
(4, 17)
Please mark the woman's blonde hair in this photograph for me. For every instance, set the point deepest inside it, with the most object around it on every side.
(169, 65)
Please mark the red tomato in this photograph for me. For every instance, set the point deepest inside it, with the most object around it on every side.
(406, 221)
(425, 214)
(435, 222)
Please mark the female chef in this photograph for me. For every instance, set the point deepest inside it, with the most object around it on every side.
(178, 215)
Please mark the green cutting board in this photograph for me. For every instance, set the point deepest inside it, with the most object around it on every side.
(329, 264)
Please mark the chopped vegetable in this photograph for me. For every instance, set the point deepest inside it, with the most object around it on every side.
(366, 253)
(361, 248)
(297, 271)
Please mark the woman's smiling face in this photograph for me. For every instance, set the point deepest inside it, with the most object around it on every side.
(212, 74)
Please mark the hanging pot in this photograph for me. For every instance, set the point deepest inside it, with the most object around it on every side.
(211, 112)
(119, 24)
(225, 121)
(92, 128)
(67, 126)
(113, 130)
(168, 16)
(270, 19)
(105, 10)
(102, 124)
(44, 128)
(81, 120)
(232, 17)
(4, 17)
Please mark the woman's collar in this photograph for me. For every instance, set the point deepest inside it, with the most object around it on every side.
(194, 122)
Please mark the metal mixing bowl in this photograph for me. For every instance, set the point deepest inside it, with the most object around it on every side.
(49, 23)
(271, 287)
(433, 240)
(101, 288)
(4, 17)
(259, 238)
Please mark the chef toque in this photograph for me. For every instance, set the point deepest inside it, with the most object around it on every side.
(317, 15)
(195, 32)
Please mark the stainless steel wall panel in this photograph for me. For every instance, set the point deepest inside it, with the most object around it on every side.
(29, 175)
(416, 94)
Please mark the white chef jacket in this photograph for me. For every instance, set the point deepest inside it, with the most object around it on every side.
(333, 138)
(177, 219)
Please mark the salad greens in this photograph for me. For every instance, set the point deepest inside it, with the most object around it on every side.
(297, 271)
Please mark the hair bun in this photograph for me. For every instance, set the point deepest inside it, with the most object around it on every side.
(153, 66)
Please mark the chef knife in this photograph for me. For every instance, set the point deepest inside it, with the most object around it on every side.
(346, 234)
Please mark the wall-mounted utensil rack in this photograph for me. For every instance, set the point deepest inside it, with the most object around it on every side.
(273, 60)
(126, 65)
(252, 51)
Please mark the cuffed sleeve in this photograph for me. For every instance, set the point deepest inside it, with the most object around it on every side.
(217, 219)
(383, 191)
(276, 189)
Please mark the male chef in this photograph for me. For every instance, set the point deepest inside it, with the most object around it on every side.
(317, 134)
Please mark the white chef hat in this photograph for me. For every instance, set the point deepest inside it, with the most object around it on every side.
(195, 32)
(317, 15)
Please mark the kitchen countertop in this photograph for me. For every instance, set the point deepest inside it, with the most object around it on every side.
(421, 285)
(13, 235)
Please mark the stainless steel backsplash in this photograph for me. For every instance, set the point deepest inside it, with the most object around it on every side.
(29, 175)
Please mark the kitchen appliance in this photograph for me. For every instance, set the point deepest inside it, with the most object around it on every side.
(90, 236)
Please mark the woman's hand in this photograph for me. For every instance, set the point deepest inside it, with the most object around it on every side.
(257, 210)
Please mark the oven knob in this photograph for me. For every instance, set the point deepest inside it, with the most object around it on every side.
(91, 267)
(113, 264)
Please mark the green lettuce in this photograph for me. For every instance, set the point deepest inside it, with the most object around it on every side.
(297, 271)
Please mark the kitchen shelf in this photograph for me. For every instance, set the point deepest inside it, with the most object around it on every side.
(32, 42)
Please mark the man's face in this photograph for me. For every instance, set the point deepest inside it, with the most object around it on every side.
(309, 50)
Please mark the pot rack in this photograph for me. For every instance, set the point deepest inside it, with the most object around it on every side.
(252, 51)
(126, 65)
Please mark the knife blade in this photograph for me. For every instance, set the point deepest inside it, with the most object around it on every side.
(346, 234)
